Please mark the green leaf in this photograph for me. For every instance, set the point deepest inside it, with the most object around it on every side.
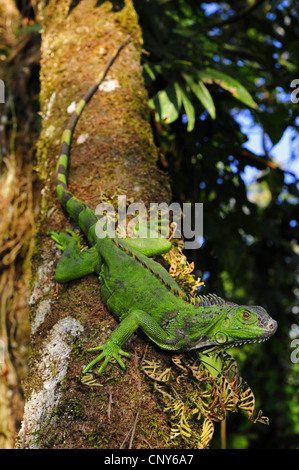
(188, 106)
(167, 104)
(150, 72)
(202, 93)
(230, 84)
(274, 123)
(180, 64)
(30, 28)
(292, 68)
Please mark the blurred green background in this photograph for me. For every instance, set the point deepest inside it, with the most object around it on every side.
(219, 76)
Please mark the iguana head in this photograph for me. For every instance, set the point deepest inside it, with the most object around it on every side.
(236, 325)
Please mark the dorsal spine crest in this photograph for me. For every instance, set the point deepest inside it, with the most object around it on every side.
(206, 300)
(134, 255)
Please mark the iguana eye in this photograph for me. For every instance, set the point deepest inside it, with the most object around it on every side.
(246, 315)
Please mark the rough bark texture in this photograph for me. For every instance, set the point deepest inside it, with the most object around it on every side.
(112, 153)
(19, 198)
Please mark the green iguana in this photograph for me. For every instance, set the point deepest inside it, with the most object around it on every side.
(138, 290)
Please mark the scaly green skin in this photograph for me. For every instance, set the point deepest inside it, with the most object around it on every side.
(138, 290)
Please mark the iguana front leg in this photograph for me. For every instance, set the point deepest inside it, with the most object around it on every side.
(74, 263)
(133, 320)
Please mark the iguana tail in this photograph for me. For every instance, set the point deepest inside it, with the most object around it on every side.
(74, 206)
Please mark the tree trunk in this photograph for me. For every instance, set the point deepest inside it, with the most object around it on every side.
(19, 62)
(112, 153)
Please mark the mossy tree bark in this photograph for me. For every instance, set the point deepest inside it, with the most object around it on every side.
(112, 153)
(19, 196)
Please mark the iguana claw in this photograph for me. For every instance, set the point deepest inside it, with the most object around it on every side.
(109, 350)
(62, 239)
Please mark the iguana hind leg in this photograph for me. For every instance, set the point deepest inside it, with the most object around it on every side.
(148, 238)
(74, 263)
(148, 246)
